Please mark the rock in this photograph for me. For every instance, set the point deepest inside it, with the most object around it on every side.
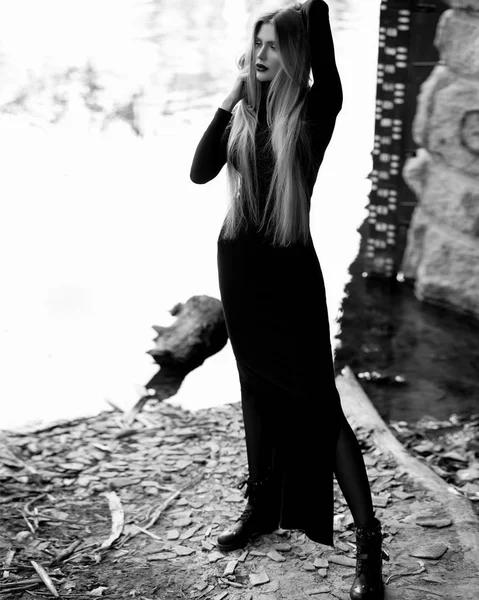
(448, 274)
(432, 551)
(451, 198)
(173, 534)
(457, 39)
(448, 132)
(413, 252)
(439, 78)
(307, 566)
(416, 170)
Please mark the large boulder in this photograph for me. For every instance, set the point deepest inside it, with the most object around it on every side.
(448, 272)
(439, 78)
(453, 126)
(451, 198)
(457, 39)
(469, 5)
(415, 243)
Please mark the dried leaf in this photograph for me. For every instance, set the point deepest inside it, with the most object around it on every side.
(183, 550)
(67, 552)
(215, 556)
(173, 534)
(258, 578)
(230, 568)
(321, 563)
(470, 474)
(344, 561)
(380, 501)
(402, 495)
(323, 588)
(117, 518)
(161, 556)
(275, 555)
(432, 551)
(97, 592)
(45, 578)
(282, 547)
(7, 562)
(421, 569)
(207, 545)
(433, 522)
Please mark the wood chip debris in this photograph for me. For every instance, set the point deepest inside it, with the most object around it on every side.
(56, 484)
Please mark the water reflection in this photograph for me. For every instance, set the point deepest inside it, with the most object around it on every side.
(385, 329)
(102, 228)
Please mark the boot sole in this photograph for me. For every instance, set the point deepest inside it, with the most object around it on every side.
(244, 542)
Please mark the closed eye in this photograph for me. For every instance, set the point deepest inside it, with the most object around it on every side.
(271, 44)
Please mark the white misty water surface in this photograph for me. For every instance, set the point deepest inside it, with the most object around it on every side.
(102, 231)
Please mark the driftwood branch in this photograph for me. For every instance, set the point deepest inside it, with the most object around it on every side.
(198, 332)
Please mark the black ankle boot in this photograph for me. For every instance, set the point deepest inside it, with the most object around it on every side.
(258, 517)
(368, 583)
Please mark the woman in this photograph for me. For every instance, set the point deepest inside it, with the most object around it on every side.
(272, 131)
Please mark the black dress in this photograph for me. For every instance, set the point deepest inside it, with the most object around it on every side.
(276, 315)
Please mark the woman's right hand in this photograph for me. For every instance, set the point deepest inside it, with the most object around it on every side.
(238, 91)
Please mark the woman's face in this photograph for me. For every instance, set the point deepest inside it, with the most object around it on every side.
(266, 53)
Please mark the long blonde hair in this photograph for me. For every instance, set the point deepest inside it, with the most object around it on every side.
(289, 141)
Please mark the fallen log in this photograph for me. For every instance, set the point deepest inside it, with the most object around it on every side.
(361, 413)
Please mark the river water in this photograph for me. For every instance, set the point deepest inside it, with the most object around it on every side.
(102, 105)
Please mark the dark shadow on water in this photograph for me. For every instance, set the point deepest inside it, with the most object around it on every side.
(384, 328)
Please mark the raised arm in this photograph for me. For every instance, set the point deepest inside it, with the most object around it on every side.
(210, 155)
(326, 95)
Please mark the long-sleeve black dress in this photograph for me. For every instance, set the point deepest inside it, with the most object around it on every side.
(276, 316)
